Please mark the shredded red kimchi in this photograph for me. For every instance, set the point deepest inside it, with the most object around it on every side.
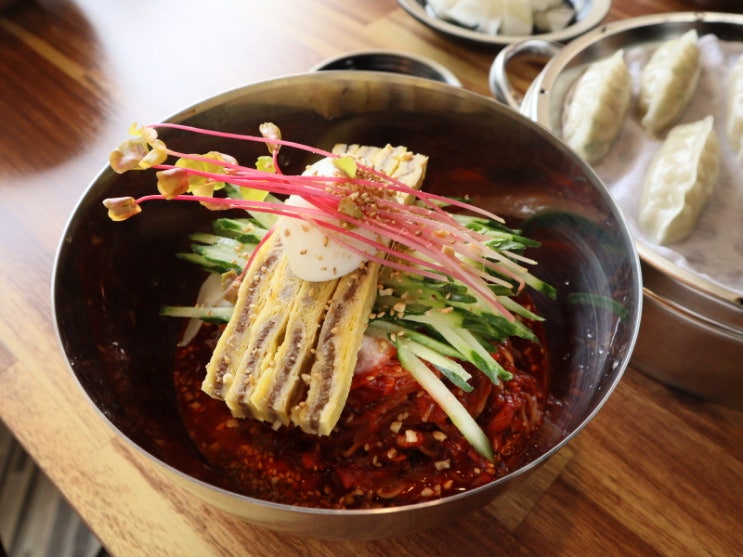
(393, 444)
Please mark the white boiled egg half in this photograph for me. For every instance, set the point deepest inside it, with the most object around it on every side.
(312, 252)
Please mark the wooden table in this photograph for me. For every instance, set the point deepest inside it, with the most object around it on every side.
(655, 472)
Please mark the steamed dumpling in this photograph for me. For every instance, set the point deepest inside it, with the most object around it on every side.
(735, 108)
(668, 81)
(679, 182)
(596, 112)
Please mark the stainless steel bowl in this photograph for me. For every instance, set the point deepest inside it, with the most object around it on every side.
(393, 61)
(590, 13)
(691, 336)
(111, 278)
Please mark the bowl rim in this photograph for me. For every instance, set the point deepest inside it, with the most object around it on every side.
(445, 75)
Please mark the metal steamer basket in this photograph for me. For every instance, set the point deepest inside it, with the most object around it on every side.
(691, 334)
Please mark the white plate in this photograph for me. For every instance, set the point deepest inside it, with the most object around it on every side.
(590, 14)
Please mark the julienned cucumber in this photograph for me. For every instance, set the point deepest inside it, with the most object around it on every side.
(458, 414)
(207, 314)
(434, 324)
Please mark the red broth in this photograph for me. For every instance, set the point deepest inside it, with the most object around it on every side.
(393, 445)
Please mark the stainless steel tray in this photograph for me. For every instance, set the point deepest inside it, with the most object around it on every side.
(691, 335)
(590, 14)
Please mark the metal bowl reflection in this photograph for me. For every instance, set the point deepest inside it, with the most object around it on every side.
(389, 61)
(111, 278)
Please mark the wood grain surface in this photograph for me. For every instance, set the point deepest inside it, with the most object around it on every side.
(655, 473)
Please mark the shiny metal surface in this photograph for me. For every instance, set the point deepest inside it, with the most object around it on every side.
(393, 61)
(685, 348)
(692, 328)
(498, 79)
(111, 278)
(590, 14)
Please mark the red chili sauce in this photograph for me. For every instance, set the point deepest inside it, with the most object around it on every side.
(392, 446)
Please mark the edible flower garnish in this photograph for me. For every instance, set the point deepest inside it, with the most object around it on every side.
(419, 238)
(140, 152)
(443, 288)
